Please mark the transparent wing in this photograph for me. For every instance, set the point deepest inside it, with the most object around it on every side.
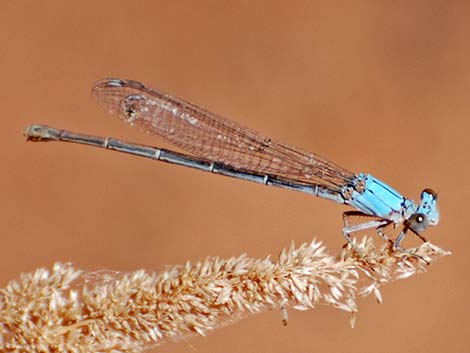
(212, 137)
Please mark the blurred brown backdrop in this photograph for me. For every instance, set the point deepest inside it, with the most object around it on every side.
(380, 87)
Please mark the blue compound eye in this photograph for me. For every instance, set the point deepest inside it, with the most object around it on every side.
(418, 222)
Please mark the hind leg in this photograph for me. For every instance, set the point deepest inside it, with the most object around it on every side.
(378, 224)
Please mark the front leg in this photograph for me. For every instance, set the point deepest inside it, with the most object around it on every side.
(400, 237)
(396, 245)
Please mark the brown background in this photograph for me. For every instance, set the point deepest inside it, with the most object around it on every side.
(381, 87)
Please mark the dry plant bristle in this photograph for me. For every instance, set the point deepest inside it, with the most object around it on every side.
(69, 310)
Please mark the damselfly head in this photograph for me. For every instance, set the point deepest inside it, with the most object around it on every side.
(427, 213)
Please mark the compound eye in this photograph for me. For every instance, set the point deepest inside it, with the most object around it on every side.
(430, 192)
(418, 222)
